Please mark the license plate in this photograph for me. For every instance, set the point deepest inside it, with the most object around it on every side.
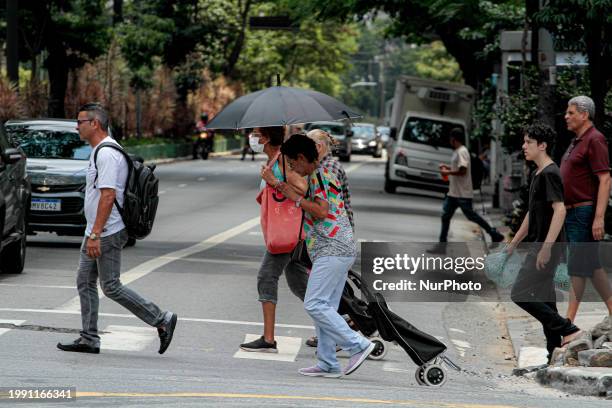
(429, 175)
(45, 204)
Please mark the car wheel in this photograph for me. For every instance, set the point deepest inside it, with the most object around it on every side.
(13, 256)
(390, 185)
(130, 242)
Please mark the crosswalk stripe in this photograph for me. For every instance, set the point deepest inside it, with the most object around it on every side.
(127, 338)
(15, 322)
(288, 349)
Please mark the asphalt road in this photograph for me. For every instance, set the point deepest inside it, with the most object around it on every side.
(201, 261)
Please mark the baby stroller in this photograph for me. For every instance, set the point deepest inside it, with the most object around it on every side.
(374, 317)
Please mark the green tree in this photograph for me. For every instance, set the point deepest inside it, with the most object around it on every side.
(72, 32)
(469, 29)
(585, 26)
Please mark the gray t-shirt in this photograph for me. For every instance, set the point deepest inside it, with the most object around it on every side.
(461, 186)
(112, 173)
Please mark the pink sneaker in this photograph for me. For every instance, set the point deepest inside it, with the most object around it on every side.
(315, 371)
(358, 359)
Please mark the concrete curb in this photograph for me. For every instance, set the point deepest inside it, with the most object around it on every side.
(591, 381)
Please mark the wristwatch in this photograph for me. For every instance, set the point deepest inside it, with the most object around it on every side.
(298, 202)
(93, 236)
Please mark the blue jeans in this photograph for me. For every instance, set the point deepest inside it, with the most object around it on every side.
(449, 207)
(323, 294)
(583, 258)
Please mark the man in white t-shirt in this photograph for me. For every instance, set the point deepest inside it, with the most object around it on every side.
(460, 191)
(105, 237)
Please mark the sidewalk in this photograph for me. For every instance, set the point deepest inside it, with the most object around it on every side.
(529, 344)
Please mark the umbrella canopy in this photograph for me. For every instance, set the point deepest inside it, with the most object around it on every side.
(279, 106)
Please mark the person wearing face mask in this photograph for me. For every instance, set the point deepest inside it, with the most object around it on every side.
(268, 140)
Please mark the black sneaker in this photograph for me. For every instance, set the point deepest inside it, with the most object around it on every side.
(78, 346)
(260, 345)
(165, 334)
(496, 236)
(312, 341)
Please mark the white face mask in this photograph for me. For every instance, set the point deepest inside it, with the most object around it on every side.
(255, 145)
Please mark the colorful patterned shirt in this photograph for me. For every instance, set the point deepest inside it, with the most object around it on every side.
(332, 236)
(336, 168)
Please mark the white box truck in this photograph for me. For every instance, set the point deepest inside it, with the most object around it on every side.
(423, 114)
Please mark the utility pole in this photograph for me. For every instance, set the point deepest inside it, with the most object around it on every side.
(12, 53)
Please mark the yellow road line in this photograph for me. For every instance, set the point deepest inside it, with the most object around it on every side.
(436, 404)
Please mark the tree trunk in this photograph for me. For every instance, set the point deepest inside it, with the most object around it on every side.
(117, 11)
(12, 54)
(474, 72)
(239, 44)
(57, 67)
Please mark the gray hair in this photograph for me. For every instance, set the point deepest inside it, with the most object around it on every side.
(583, 104)
(96, 111)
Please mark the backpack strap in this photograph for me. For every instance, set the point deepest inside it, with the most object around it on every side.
(128, 159)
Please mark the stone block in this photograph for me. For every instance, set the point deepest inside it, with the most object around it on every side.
(603, 328)
(600, 341)
(595, 358)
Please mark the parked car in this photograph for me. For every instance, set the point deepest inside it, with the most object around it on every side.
(366, 139)
(14, 202)
(57, 165)
(339, 132)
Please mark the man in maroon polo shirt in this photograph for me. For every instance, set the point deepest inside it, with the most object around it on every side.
(586, 181)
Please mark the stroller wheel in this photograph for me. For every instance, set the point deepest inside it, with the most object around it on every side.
(380, 350)
(434, 375)
(419, 374)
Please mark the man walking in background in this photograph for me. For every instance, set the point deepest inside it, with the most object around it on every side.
(585, 170)
(460, 191)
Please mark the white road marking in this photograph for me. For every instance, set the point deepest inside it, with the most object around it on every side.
(156, 263)
(161, 192)
(288, 349)
(532, 356)
(128, 338)
(15, 322)
(456, 330)
(216, 261)
(461, 344)
(201, 178)
(258, 233)
(182, 185)
(182, 319)
(37, 286)
(395, 368)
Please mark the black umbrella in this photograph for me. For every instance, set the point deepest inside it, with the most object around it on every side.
(279, 106)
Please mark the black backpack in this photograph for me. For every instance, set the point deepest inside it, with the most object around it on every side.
(140, 197)
(477, 170)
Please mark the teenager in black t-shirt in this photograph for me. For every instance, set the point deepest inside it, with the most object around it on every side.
(534, 289)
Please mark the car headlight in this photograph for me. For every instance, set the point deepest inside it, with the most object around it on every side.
(372, 143)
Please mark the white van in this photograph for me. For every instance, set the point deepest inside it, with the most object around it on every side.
(424, 113)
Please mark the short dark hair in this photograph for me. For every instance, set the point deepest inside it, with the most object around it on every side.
(458, 135)
(96, 111)
(542, 133)
(300, 143)
(276, 134)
